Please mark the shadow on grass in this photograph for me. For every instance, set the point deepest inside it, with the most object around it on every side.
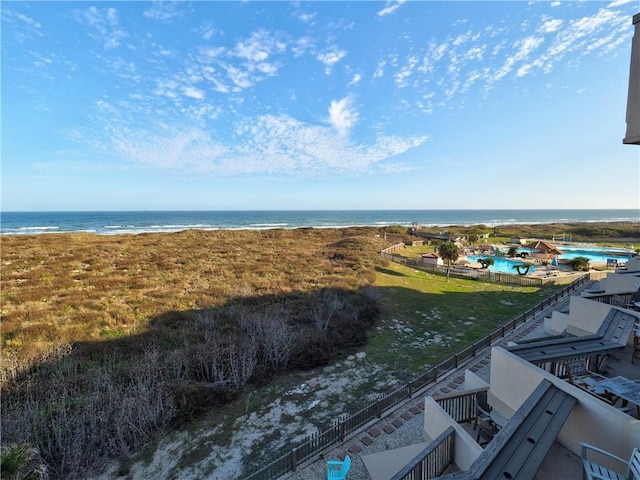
(179, 339)
(387, 271)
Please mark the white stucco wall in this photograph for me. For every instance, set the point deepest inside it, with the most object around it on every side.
(556, 324)
(592, 421)
(436, 421)
(473, 381)
(585, 316)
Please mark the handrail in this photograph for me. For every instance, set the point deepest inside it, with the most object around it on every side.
(340, 429)
(461, 406)
(438, 455)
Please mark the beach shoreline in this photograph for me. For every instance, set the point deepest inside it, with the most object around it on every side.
(113, 223)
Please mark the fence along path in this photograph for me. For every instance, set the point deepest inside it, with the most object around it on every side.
(288, 459)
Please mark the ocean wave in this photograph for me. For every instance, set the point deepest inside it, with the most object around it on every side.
(259, 225)
(38, 228)
(181, 227)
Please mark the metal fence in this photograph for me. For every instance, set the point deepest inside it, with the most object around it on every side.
(290, 458)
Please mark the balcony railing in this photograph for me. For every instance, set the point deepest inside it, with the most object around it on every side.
(461, 406)
(432, 461)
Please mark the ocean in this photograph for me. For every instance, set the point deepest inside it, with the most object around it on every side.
(111, 223)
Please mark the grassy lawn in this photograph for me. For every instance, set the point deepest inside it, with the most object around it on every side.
(425, 318)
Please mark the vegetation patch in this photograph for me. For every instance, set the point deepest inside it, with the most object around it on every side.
(109, 341)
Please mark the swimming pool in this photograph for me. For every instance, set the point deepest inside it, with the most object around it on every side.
(502, 265)
(594, 254)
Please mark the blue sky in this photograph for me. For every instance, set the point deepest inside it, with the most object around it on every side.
(316, 105)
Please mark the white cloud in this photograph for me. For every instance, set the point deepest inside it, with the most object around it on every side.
(193, 92)
(258, 47)
(342, 115)
(28, 21)
(206, 31)
(355, 80)
(104, 22)
(163, 11)
(524, 48)
(263, 144)
(550, 26)
(330, 58)
(26, 28)
(380, 69)
(618, 3)
(302, 46)
(555, 4)
(402, 76)
(307, 17)
(390, 7)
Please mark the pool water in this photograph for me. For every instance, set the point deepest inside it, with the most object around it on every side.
(502, 265)
(594, 254)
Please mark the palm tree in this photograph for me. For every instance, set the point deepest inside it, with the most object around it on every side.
(486, 262)
(450, 252)
(473, 238)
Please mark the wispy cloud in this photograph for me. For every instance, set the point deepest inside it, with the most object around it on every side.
(163, 11)
(342, 115)
(256, 51)
(307, 18)
(330, 58)
(23, 26)
(193, 92)
(206, 31)
(261, 144)
(104, 24)
(390, 7)
(355, 80)
(550, 26)
(618, 3)
(523, 49)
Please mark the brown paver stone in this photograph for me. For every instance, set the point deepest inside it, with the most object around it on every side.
(388, 428)
(452, 385)
(355, 448)
(458, 380)
(407, 415)
(444, 390)
(374, 432)
(421, 405)
(397, 423)
(415, 410)
(366, 440)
